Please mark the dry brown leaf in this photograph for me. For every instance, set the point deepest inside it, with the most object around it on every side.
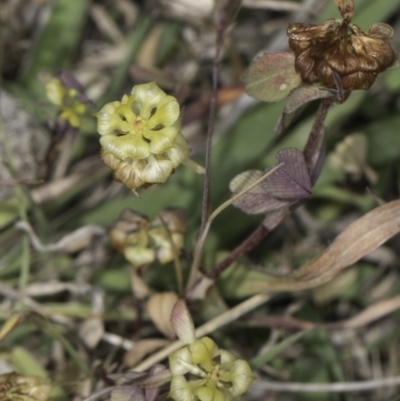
(139, 287)
(143, 348)
(91, 332)
(357, 240)
(160, 308)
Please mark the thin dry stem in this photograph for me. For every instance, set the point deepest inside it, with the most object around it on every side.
(211, 121)
(328, 387)
(202, 239)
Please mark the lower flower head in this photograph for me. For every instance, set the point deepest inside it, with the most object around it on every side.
(15, 387)
(337, 46)
(140, 136)
(142, 242)
(221, 376)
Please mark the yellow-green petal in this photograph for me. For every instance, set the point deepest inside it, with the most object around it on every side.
(139, 256)
(180, 362)
(209, 393)
(166, 114)
(227, 358)
(179, 152)
(161, 140)
(126, 146)
(182, 390)
(203, 351)
(147, 97)
(242, 377)
(157, 170)
(108, 121)
(124, 110)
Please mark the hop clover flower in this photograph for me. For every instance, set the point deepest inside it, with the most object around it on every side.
(140, 136)
(337, 46)
(200, 370)
(221, 376)
(143, 242)
(67, 99)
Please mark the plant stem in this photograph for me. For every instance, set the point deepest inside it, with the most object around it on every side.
(210, 131)
(317, 128)
(246, 246)
(261, 232)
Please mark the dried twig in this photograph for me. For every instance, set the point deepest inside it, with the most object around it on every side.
(327, 387)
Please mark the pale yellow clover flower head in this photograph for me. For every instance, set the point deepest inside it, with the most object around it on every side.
(220, 375)
(140, 136)
(66, 99)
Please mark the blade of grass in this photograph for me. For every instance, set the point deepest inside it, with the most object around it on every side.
(57, 42)
(133, 42)
(265, 357)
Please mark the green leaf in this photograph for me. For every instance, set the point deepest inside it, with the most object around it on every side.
(271, 77)
(58, 41)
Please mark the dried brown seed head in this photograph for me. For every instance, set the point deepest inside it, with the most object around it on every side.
(338, 46)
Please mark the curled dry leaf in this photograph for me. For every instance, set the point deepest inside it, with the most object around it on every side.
(159, 308)
(271, 77)
(70, 243)
(356, 241)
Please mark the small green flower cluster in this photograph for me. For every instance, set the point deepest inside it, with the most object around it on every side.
(66, 99)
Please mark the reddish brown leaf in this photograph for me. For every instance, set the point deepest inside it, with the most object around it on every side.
(256, 200)
(292, 180)
(304, 94)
